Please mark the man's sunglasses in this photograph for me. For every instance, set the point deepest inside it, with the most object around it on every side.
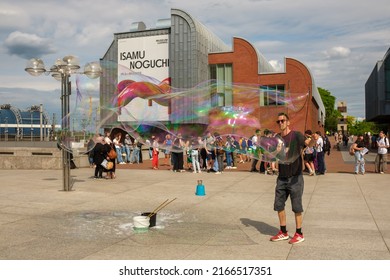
(280, 121)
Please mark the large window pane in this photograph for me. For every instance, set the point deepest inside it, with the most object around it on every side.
(272, 95)
(222, 74)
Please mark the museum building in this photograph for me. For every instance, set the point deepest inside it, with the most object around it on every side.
(182, 52)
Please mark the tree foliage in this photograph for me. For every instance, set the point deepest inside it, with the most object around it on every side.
(361, 127)
(331, 114)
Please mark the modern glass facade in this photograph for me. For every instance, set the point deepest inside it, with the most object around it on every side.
(387, 78)
(377, 92)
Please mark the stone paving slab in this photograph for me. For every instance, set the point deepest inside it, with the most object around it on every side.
(345, 216)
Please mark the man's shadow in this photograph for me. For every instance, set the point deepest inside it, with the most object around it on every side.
(261, 227)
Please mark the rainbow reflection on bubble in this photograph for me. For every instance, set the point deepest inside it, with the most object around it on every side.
(233, 111)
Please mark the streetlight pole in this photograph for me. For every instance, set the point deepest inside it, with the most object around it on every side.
(61, 71)
(6, 129)
(31, 120)
(40, 122)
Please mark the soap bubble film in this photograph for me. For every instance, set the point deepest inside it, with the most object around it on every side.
(232, 112)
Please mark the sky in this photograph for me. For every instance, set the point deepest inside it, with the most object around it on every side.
(340, 41)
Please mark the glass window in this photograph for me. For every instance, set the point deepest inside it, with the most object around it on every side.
(222, 75)
(272, 95)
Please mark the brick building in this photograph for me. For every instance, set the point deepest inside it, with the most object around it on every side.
(243, 81)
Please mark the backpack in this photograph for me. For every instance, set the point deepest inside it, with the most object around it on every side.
(351, 150)
(326, 147)
(112, 153)
(250, 142)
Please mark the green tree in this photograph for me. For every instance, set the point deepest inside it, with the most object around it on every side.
(332, 115)
(361, 127)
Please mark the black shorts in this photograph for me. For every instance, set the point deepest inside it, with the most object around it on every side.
(308, 157)
(285, 187)
(211, 155)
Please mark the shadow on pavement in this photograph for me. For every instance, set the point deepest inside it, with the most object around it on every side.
(260, 226)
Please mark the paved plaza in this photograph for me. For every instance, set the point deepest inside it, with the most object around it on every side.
(346, 216)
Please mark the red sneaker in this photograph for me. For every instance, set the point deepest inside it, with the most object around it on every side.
(280, 236)
(298, 238)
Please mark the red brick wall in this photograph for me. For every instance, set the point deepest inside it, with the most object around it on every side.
(296, 80)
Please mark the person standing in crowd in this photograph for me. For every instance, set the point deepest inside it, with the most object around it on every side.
(150, 148)
(167, 150)
(107, 138)
(187, 154)
(194, 152)
(119, 148)
(345, 139)
(243, 150)
(90, 149)
(111, 172)
(340, 140)
(136, 152)
(358, 148)
(319, 145)
(110, 145)
(350, 139)
(381, 158)
(209, 143)
(327, 146)
(236, 149)
(289, 182)
(177, 153)
(219, 153)
(309, 152)
(155, 152)
(229, 152)
(374, 139)
(139, 146)
(267, 144)
(99, 154)
(203, 153)
(256, 156)
(128, 147)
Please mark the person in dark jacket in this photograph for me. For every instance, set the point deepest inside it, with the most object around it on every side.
(99, 155)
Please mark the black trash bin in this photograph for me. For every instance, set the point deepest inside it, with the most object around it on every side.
(152, 219)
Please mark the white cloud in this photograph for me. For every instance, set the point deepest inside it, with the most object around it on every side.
(340, 41)
(338, 52)
(12, 18)
(28, 45)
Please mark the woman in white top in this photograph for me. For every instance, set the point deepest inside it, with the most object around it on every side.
(381, 157)
(107, 138)
(119, 148)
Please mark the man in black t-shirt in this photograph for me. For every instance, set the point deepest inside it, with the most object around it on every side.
(290, 179)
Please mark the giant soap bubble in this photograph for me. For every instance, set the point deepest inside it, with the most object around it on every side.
(143, 106)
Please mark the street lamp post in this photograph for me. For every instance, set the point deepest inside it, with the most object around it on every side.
(6, 129)
(61, 71)
(32, 130)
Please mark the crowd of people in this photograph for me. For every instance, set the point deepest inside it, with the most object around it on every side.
(214, 153)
